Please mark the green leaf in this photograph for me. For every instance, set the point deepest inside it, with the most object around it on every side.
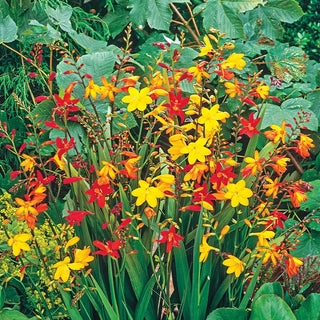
(287, 111)
(60, 15)
(264, 24)
(144, 300)
(309, 244)
(8, 29)
(222, 17)
(286, 62)
(2, 294)
(138, 12)
(227, 314)
(271, 307)
(269, 288)
(10, 314)
(284, 10)
(241, 5)
(44, 111)
(309, 309)
(159, 14)
(313, 202)
(118, 20)
(129, 122)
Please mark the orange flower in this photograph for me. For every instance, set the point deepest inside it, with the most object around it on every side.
(254, 165)
(233, 89)
(293, 264)
(199, 71)
(280, 165)
(272, 187)
(108, 89)
(149, 212)
(304, 145)
(278, 133)
(28, 163)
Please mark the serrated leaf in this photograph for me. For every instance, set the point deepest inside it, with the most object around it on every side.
(224, 18)
(286, 62)
(8, 29)
(138, 12)
(60, 15)
(241, 5)
(159, 14)
(265, 25)
(284, 10)
(313, 202)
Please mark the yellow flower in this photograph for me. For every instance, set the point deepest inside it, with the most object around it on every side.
(207, 49)
(137, 100)
(199, 71)
(238, 193)
(234, 265)
(234, 61)
(263, 90)
(92, 89)
(83, 256)
(178, 142)
(72, 242)
(210, 117)
(273, 187)
(28, 163)
(205, 248)
(277, 133)
(107, 171)
(18, 243)
(196, 150)
(147, 193)
(63, 269)
(254, 164)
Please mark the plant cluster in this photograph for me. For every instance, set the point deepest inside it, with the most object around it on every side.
(136, 196)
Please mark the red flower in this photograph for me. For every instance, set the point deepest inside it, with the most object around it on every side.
(108, 248)
(76, 217)
(249, 126)
(176, 105)
(222, 176)
(98, 192)
(279, 217)
(171, 238)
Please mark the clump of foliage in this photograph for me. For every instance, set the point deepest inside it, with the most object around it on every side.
(136, 196)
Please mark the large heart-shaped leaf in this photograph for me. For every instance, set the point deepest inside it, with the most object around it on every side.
(8, 29)
(309, 309)
(271, 307)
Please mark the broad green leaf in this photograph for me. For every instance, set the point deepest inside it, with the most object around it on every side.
(138, 12)
(313, 202)
(10, 314)
(265, 25)
(271, 307)
(222, 17)
(119, 124)
(284, 10)
(118, 20)
(309, 309)
(60, 15)
(287, 111)
(309, 244)
(269, 288)
(227, 314)
(286, 62)
(159, 14)
(8, 29)
(44, 111)
(241, 5)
